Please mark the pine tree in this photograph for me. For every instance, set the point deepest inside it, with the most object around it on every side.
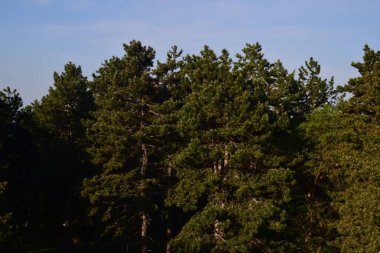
(10, 104)
(61, 135)
(202, 153)
(5, 226)
(359, 200)
(318, 91)
(69, 102)
(17, 170)
(230, 173)
(125, 93)
(312, 94)
(344, 161)
(320, 178)
(170, 78)
(286, 94)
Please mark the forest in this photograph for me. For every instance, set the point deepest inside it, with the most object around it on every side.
(198, 153)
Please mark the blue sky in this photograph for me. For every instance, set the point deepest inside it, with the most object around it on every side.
(39, 37)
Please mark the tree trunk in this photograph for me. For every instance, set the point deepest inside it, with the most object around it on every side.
(144, 216)
(220, 168)
(169, 230)
(226, 158)
(144, 233)
(218, 233)
(144, 164)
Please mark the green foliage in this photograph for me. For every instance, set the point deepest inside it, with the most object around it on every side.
(364, 89)
(10, 120)
(317, 90)
(344, 161)
(359, 202)
(59, 135)
(230, 171)
(203, 153)
(5, 223)
(121, 147)
(67, 105)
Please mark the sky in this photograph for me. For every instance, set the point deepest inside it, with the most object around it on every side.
(38, 37)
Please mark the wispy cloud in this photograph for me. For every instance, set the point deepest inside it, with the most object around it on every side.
(79, 5)
(70, 5)
(41, 2)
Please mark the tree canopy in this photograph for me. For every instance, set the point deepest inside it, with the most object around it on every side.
(196, 153)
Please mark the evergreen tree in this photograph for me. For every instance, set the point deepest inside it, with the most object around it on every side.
(286, 94)
(201, 111)
(5, 226)
(320, 179)
(310, 94)
(364, 90)
(231, 173)
(344, 161)
(318, 91)
(17, 170)
(61, 137)
(125, 93)
(201, 153)
(170, 78)
(10, 104)
(62, 112)
(358, 201)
